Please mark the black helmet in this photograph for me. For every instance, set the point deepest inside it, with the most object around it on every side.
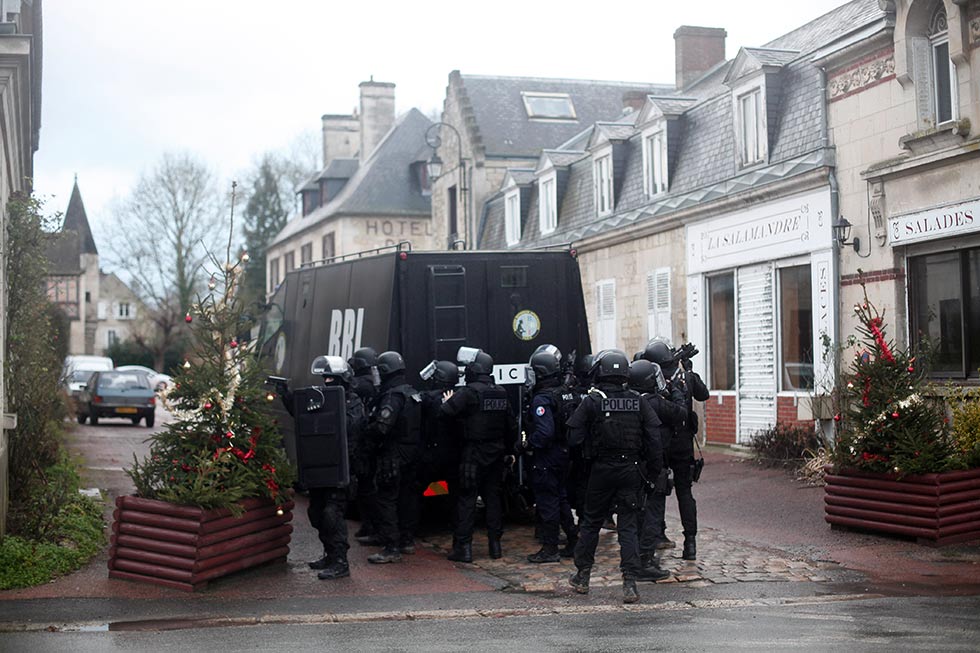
(544, 364)
(332, 367)
(646, 376)
(638, 356)
(548, 348)
(658, 351)
(390, 362)
(446, 374)
(583, 367)
(482, 364)
(611, 364)
(363, 360)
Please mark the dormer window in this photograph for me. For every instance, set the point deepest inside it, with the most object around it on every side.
(654, 162)
(548, 106)
(512, 216)
(548, 203)
(751, 128)
(603, 175)
(943, 69)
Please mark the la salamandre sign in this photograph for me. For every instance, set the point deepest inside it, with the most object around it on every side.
(941, 222)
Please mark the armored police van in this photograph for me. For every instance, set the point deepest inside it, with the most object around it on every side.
(425, 305)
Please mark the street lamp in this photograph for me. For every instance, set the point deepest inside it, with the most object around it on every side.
(434, 168)
(842, 233)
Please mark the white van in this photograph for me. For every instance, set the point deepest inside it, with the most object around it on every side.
(77, 369)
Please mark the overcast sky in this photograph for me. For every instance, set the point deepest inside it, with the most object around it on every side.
(127, 80)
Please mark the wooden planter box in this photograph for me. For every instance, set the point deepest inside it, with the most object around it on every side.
(185, 547)
(936, 509)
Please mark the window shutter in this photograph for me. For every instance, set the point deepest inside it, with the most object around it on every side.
(658, 304)
(606, 314)
(101, 311)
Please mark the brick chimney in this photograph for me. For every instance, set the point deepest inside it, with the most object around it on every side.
(341, 136)
(696, 51)
(377, 113)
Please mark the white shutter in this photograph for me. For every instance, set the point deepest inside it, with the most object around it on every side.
(658, 304)
(605, 314)
(756, 351)
(101, 311)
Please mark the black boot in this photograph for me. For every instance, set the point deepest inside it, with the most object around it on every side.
(569, 550)
(337, 569)
(548, 553)
(493, 546)
(650, 560)
(461, 553)
(630, 594)
(386, 555)
(690, 548)
(321, 563)
(580, 581)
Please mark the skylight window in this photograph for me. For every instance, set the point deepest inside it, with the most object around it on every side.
(549, 106)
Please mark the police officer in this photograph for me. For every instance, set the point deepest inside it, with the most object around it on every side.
(680, 450)
(547, 449)
(622, 431)
(580, 458)
(488, 434)
(394, 431)
(363, 365)
(647, 379)
(440, 436)
(328, 504)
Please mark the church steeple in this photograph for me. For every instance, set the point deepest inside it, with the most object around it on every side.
(76, 220)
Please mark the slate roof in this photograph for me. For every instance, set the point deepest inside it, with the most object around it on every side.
(384, 184)
(340, 169)
(562, 158)
(61, 252)
(521, 176)
(702, 149)
(77, 220)
(501, 118)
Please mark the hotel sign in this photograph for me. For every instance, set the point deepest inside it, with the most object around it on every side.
(942, 222)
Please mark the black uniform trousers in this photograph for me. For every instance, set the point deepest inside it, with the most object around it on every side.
(487, 482)
(551, 501)
(680, 458)
(398, 506)
(326, 513)
(614, 485)
(367, 495)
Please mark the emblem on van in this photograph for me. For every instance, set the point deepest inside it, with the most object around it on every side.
(527, 325)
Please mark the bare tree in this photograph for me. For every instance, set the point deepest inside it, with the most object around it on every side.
(160, 237)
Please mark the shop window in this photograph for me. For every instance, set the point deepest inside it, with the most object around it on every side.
(944, 306)
(721, 331)
(796, 328)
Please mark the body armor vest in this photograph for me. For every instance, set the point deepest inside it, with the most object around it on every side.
(489, 422)
(408, 429)
(618, 429)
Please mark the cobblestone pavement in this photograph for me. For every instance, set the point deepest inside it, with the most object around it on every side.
(721, 560)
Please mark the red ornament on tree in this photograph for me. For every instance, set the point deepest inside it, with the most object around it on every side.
(911, 369)
(188, 318)
(233, 344)
(837, 417)
(207, 406)
(895, 415)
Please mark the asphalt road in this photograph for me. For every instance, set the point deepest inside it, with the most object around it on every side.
(828, 624)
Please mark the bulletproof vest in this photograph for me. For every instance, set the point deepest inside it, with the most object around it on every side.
(563, 403)
(356, 418)
(407, 429)
(489, 422)
(618, 428)
(364, 388)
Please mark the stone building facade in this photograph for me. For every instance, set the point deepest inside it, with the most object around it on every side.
(373, 191)
(904, 106)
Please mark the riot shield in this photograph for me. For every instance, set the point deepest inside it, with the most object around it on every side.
(321, 436)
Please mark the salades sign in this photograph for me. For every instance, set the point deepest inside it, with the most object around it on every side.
(941, 222)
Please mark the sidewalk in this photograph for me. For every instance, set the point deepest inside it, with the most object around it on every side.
(757, 526)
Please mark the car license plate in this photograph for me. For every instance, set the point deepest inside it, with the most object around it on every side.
(129, 410)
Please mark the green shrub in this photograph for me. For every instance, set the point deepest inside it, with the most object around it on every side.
(75, 534)
(785, 445)
(966, 428)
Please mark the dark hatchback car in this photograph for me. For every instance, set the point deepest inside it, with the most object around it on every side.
(117, 394)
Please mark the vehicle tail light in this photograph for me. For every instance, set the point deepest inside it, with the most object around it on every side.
(96, 399)
(152, 401)
(436, 488)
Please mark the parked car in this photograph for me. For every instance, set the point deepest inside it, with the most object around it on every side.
(158, 380)
(78, 369)
(117, 394)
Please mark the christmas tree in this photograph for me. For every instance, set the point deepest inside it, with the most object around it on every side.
(221, 445)
(885, 422)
